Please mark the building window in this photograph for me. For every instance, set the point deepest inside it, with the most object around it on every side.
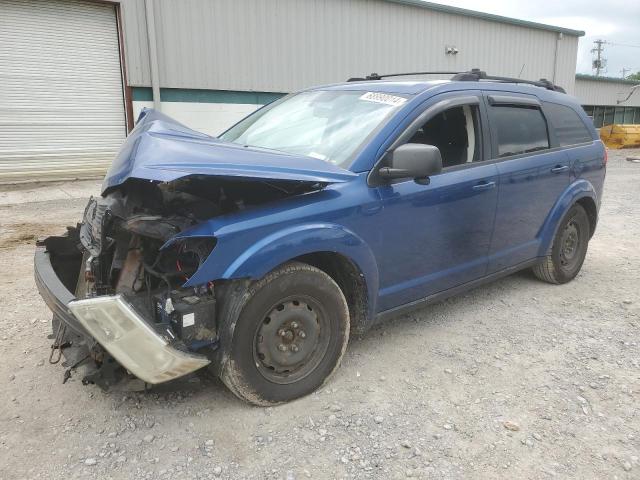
(628, 115)
(598, 116)
(588, 109)
(603, 116)
(608, 116)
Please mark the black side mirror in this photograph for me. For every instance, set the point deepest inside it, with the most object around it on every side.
(413, 160)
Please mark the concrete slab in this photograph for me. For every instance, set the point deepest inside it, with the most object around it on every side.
(45, 192)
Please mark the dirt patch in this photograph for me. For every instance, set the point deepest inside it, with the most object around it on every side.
(15, 234)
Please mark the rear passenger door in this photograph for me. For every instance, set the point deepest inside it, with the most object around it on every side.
(577, 141)
(532, 171)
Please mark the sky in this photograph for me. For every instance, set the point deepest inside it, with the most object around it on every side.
(615, 21)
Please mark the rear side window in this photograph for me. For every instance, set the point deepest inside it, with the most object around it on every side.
(519, 130)
(567, 124)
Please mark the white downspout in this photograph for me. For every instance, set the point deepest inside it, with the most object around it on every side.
(555, 56)
(153, 54)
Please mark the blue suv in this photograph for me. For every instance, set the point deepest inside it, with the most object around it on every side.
(257, 254)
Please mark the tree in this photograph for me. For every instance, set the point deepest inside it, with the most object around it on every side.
(633, 76)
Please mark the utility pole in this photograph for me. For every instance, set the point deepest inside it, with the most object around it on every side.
(598, 63)
(624, 72)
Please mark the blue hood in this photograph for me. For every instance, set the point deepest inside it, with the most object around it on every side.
(161, 149)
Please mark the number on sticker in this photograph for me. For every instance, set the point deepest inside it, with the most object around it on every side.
(385, 98)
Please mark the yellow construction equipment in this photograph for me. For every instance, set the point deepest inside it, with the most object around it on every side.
(620, 136)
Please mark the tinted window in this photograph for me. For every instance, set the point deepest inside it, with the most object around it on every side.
(519, 130)
(567, 124)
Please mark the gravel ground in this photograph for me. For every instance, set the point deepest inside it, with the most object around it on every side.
(518, 379)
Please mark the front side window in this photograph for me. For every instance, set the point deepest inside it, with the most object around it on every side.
(456, 133)
(519, 129)
(326, 124)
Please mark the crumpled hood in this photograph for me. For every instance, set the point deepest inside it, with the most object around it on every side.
(162, 149)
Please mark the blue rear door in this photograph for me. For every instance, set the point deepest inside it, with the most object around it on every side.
(533, 173)
(437, 236)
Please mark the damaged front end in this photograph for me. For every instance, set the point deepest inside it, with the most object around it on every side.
(116, 293)
(117, 282)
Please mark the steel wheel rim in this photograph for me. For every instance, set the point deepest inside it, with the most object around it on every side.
(570, 245)
(291, 340)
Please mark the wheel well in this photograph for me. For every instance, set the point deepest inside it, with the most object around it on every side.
(350, 280)
(592, 212)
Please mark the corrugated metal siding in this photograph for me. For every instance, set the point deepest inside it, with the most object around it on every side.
(285, 45)
(135, 39)
(61, 106)
(594, 92)
(566, 70)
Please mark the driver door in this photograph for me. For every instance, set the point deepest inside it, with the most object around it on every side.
(437, 236)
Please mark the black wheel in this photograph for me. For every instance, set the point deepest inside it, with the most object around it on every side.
(568, 250)
(289, 337)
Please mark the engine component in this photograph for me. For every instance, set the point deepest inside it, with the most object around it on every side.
(191, 317)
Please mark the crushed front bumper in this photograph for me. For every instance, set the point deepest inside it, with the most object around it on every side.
(114, 323)
(54, 293)
(134, 343)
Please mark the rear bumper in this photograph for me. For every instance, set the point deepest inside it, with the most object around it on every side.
(114, 323)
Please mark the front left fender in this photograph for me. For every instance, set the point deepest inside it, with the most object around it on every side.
(229, 260)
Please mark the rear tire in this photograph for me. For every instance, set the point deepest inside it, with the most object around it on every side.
(288, 338)
(568, 250)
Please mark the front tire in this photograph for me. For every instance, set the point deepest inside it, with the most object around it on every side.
(569, 248)
(289, 336)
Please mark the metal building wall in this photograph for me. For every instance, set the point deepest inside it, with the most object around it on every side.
(285, 45)
(605, 92)
(136, 44)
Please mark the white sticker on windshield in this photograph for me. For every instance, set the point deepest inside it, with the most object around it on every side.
(385, 98)
(317, 155)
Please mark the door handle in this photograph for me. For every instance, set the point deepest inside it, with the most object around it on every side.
(560, 168)
(484, 186)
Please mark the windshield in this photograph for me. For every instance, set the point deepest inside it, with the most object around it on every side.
(325, 124)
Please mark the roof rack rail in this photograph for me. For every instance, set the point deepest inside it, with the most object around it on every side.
(375, 76)
(473, 75)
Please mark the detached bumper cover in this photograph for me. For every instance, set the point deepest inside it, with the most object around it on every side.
(115, 325)
(54, 293)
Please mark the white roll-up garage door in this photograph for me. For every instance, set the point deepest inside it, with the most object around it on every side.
(61, 96)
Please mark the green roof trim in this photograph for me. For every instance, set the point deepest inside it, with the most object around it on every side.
(584, 76)
(192, 95)
(488, 16)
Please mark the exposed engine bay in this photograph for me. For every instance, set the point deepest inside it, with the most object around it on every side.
(123, 232)
(118, 250)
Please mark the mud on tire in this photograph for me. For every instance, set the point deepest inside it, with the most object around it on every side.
(290, 332)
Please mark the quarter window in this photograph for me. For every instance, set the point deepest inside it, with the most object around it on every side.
(519, 130)
(567, 124)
